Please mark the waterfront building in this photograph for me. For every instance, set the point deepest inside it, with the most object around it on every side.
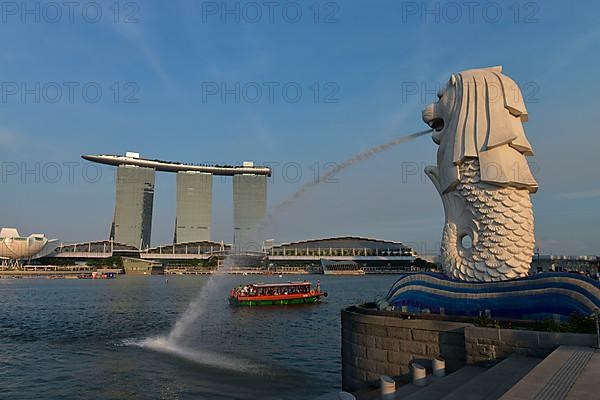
(249, 210)
(137, 266)
(342, 254)
(132, 223)
(341, 268)
(589, 265)
(365, 254)
(355, 255)
(201, 256)
(194, 206)
(15, 248)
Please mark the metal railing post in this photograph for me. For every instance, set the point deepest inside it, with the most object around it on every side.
(597, 315)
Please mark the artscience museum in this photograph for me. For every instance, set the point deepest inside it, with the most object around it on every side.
(14, 248)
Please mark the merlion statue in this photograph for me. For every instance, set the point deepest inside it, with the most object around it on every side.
(483, 177)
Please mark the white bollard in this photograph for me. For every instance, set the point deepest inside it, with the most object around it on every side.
(345, 396)
(418, 374)
(388, 387)
(439, 367)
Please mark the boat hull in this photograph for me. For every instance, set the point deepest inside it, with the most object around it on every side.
(275, 301)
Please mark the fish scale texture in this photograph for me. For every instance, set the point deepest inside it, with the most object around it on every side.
(503, 239)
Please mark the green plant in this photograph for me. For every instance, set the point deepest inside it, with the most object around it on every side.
(421, 264)
(114, 261)
(484, 321)
(548, 325)
(576, 323)
(579, 323)
(61, 262)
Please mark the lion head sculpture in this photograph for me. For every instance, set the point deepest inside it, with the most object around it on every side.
(480, 114)
(483, 177)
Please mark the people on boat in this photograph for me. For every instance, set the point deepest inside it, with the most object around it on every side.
(252, 290)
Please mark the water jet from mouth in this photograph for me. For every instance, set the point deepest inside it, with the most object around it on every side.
(358, 158)
(172, 343)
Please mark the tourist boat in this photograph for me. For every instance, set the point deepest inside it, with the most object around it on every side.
(270, 294)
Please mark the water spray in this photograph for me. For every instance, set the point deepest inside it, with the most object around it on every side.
(358, 158)
(196, 309)
(172, 343)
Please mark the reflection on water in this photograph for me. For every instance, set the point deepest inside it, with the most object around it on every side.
(69, 339)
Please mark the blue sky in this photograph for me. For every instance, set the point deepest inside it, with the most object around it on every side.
(354, 73)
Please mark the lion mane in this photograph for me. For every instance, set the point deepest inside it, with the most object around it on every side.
(486, 123)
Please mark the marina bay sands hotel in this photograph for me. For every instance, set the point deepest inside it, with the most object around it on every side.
(132, 222)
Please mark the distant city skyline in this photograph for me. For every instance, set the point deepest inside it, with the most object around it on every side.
(298, 96)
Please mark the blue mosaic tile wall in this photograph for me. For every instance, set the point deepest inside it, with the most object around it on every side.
(536, 296)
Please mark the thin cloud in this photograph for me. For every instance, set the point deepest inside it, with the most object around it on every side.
(133, 33)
